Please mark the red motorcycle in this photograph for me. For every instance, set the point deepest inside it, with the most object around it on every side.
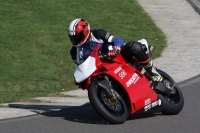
(117, 89)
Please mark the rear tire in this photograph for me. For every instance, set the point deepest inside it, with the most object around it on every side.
(114, 112)
(172, 103)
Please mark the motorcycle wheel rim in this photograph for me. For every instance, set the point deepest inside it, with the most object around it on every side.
(114, 105)
(119, 112)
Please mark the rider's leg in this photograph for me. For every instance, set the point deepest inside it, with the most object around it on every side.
(141, 52)
(148, 65)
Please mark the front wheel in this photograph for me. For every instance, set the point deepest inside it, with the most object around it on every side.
(112, 110)
(172, 103)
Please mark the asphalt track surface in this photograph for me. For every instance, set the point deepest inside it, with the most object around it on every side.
(84, 119)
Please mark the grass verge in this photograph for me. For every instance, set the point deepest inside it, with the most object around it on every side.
(34, 45)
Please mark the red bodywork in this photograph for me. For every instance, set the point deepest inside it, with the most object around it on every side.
(133, 81)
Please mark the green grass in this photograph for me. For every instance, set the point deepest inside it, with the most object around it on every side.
(34, 45)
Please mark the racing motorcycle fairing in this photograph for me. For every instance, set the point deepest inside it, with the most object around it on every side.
(83, 70)
(133, 81)
(87, 67)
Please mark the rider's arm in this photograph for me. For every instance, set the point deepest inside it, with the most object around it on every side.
(107, 37)
(73, 53)
(116, 41)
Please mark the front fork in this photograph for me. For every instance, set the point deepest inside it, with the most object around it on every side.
(107, 86)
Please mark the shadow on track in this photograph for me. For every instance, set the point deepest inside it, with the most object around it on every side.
(86, 114)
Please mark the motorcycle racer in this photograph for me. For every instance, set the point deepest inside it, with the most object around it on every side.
(84, 40)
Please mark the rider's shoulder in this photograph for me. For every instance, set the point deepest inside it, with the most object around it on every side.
(98, 31)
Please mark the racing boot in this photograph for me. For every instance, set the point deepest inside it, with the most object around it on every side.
(156, 77)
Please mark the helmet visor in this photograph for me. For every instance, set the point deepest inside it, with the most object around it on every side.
(76, 39)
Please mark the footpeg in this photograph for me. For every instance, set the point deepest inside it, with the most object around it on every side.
(161, 87)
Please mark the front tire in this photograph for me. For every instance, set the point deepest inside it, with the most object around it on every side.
(113, 111)
(172, 103)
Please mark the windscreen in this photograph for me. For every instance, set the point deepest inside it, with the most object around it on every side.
(79, 58)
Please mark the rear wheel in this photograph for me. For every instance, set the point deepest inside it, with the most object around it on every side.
(172, 103)
(113, 110)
